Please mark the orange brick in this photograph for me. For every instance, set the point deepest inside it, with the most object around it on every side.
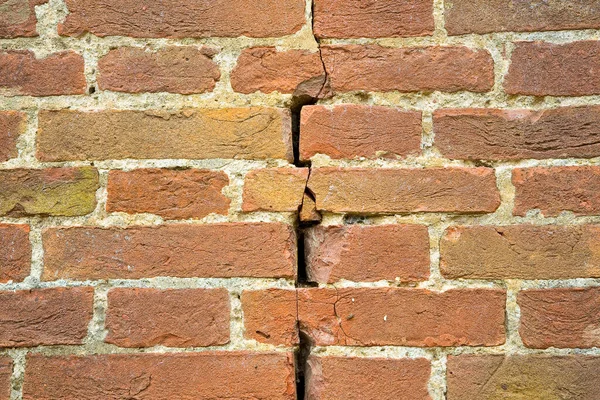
(277, 189)
(270, 316)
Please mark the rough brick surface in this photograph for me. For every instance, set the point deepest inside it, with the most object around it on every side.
(520, 252)
(277, 189)
(188, 18)
(402, 317)
(176, 194)
(475, 134)
(357, 18)
(12, 125)
(17, 18)
(349, 131)
(214, 250)
(173, 318)
(53, 191)
(21, 73)
(547, 69)
(497, 377)
(557, 189)
(485, 16)
(419, 69)
(184, 70)
(15, 252)
(561, 317)
(361, 190)
(367, 253)
(331, 378)
(45, 316)
(270, 316)
(267, 70)
(160, 376)
(6, 367)
(245, 133)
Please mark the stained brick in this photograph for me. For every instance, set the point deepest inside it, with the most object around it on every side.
(17, 18)
(15, 253)
(276, 189)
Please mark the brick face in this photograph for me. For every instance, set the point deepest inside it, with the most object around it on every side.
(244, 133)
(184, 70)
(230, 18)
(12, 125)
(270, 316)
(17, 18)
(277, 189)
(213, 250)
(15, 252)
(6, 367)
(159, 376)
(173, 318)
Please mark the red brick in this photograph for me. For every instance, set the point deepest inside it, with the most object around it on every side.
(484, 134)
(357, 18)
(209, 375)
(547, 69)
(21, 73)
(45, 316)
(6, 367)
(349, 131)
(267, 70)
(53, 191)
(15, 253)
(12, 125)
(174, 194)
(367, 253)
(17, 19)
(240, 133)
(274, 189)
(419, 69)
(186, 18)
(270, 316)
(183, 69)
(521, 252)
(332, 378)
(174, 318)
(486, 16)
(185, 251)
(367, 191)
(560, 317)
(402, 317)
(498, 377)
(557, 189)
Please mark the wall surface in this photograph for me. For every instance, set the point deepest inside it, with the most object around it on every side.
(281, 199)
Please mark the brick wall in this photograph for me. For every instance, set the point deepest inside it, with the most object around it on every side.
(281, 199)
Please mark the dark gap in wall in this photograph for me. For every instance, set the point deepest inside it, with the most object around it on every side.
(296, 109)
(301, 356)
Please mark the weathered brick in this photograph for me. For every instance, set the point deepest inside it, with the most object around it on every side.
(521, 252)
(245, 133)
(21, 73)
(45, 316)
(556, 189)
(357, 18)
(183, 69)
(12, 125)
(361, 190)
(270, 316)
(174, 318)
(53, 191)
(498, 377)
(354, 378)
(403, 317)
(349, 131)
(489, 134)
(274, 189)
(186, 18)
(564, 317)
(486, 16)
(419, 69)
(367, 253)
(308, 210)
(177, 194)
(6, 367)
(213, 250)
(17, 19)
(208, 375)
(548, 69)
(15, 253)
(267, 70)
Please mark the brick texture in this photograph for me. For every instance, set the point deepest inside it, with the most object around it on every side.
(15, 252)
(169, 193)
(12, 125)
(17, 18)
(174, 318)
(270, 316)
(6, 367)
(280, 189)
